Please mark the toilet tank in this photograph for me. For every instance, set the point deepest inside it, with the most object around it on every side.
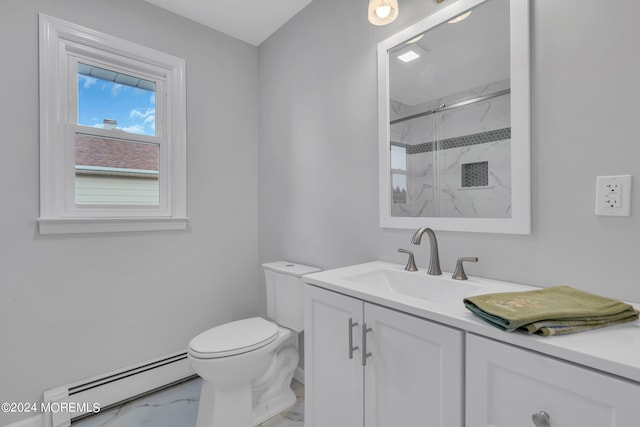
(284, 292)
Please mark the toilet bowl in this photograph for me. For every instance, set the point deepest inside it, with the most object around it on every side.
(247, 365)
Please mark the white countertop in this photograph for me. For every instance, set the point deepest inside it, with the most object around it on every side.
(614, 350)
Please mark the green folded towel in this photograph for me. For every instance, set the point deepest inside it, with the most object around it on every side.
(550, 311)
(559, 327)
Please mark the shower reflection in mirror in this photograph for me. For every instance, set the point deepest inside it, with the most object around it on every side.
(453, 160)
(450, 118)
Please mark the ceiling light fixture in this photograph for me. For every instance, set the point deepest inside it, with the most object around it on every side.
(415, 39)
(460, 17)
(382, 12)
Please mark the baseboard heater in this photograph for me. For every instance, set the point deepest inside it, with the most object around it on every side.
(115, 388)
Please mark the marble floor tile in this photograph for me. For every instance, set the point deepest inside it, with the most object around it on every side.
(294, 416)
(178, 407)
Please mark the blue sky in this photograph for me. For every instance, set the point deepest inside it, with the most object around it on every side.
(133, 108)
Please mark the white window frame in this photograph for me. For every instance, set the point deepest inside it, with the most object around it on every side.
(62, 46)
(404, 172)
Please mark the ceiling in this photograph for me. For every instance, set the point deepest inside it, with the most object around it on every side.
(251, 21)
(454, 57)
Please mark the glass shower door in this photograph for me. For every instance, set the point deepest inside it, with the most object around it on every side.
(474, 159)
(413, 166)
(454, 161)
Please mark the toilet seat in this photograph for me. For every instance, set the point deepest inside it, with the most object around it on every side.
(240, 336)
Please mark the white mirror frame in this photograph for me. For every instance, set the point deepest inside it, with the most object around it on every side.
(520, 221)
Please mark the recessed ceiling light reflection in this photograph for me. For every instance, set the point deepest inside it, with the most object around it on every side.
(408, 56)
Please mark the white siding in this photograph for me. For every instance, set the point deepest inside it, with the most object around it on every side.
(116, 190)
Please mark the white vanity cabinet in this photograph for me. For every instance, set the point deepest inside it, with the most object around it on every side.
(507, 385)
(404, 370)
(433, 363)
(333, 381)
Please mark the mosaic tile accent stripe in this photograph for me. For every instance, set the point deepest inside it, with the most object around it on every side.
(462, 141)
(420, 148)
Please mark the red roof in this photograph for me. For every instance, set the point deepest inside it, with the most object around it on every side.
(114, 153)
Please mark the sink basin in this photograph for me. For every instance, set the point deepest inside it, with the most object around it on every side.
(437, 289)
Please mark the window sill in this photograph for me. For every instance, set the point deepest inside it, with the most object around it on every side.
(109, 225)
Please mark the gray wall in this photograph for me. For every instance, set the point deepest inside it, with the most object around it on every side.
(318, 197)
(72, 307)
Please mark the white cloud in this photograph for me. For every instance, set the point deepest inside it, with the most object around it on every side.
(135, 113)
(115, 90)
(148, 120)
(87, 81)
(139, 129)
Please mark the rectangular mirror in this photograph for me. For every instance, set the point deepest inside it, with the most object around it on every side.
(454, 144)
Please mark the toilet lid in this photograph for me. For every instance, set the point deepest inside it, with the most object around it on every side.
(232, 338)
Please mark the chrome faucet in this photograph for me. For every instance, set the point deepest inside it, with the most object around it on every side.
(434, 261)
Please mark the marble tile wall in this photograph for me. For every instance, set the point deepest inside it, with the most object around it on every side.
(437, 147)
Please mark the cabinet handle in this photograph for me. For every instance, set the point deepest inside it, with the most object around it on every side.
(541, 419)
(352, 325)
(365, 330)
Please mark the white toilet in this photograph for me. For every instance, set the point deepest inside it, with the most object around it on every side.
(247, 365)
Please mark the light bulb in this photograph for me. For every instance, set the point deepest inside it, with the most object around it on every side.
(383, 11)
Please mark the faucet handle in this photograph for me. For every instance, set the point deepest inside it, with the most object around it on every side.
(459, 273)
(411, 262)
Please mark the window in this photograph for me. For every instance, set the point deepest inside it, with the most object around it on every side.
(113, 133)
(399, 173)
(108, 170)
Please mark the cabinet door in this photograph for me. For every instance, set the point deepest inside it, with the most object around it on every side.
(414, 374)
(506, 385)
(333, 380)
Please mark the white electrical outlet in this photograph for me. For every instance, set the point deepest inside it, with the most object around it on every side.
(613, 195)
(612, 200)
